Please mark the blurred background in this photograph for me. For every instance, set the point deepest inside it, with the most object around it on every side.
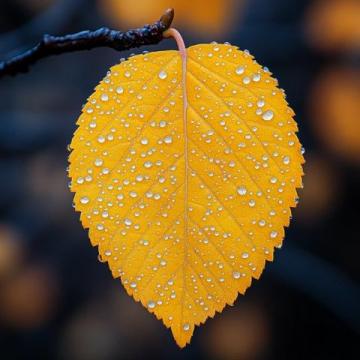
(57, 301)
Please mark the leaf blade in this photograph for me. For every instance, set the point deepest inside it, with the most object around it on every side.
(186, 207)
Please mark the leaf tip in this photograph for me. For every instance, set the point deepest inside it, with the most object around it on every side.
(182, 337)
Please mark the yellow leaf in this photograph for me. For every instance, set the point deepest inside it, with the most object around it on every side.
(186, 207)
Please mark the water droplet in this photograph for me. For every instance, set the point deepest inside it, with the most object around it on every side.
(186, 327)
(101, 139)
(168, 140)
(127, 222)
(256, 77)
(162, 75)
(268, 115)
(151, 304)
(252, 203)
(119, 90)
(236, 275)
(133, 285)
(98, 162)
(245, 255)
(273, 234)
(84, 200)
(104, 97)
(241, 190)
(246, 80)
(107, 253)
(240, 70)
(144, 141)
(260, 103)
(286, 160)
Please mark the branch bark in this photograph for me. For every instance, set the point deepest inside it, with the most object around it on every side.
(87, 40)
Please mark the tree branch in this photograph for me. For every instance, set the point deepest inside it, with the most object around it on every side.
(87, 40)
(55, 18)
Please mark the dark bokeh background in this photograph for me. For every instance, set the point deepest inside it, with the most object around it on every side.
(58, 302)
